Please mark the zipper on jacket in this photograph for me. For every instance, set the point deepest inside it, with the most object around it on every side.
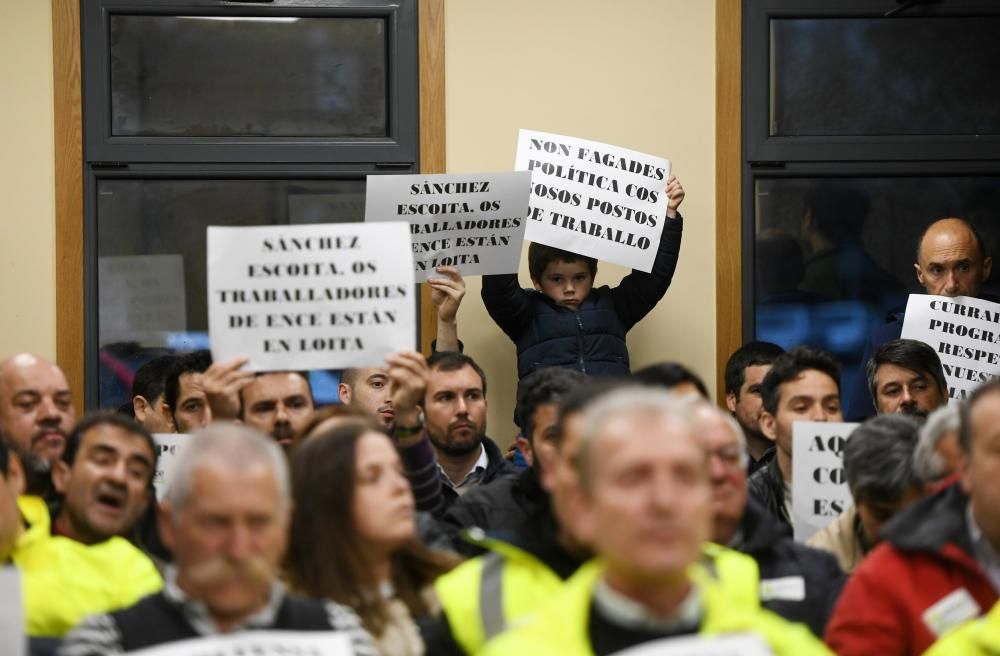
(579, 323)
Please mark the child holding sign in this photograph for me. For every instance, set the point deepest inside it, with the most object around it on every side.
(565, 321)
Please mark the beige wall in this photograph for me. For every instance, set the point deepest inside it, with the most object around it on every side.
(635, 73)
(27, 183)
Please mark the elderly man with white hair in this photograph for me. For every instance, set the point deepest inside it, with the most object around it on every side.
(225, 517)
(646, 504)
(797, 582)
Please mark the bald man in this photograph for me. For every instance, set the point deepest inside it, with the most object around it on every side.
(36, 406)
(951, 261)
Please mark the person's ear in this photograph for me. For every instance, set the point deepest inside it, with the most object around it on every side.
(344, 393)
(165, 524)
(16, 479)
(731, 401)
(524, 446)
(768, 425)
(987, 267)
(60, 475)
(140, 406)
(920, 274)
(167, 414)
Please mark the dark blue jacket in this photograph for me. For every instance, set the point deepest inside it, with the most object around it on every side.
(591, 339)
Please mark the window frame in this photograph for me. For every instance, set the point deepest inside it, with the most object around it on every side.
(400, 146)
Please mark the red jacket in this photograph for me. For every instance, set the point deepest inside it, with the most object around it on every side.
(896, 601)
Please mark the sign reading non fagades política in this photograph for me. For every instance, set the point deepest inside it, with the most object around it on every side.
(594, 199)
(474, 222)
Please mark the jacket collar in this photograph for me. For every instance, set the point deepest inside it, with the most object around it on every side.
(932, 523)
(760, 531)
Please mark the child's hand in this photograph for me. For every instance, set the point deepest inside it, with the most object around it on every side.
(447, 291)
(675, 192)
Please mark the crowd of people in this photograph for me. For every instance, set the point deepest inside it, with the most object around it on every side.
(629, 510)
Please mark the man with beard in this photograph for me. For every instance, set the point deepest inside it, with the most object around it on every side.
(36, 413)
(444, 448)
(225, 517)
(745, 371)
(85, 567)
(906, 376)
(508, 502)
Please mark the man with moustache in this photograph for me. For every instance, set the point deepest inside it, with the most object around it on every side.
(225, 517)
(905, 376)
(36, 413)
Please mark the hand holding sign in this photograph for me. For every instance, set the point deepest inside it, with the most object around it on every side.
(675, 194)
(407, 383)
(222, 383)
(595, 199)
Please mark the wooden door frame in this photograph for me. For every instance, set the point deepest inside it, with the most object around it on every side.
(728, 186)
(68, 131)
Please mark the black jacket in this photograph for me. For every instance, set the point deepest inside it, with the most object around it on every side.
(592, 338)
(785, 565)
(497, 469)
(767, 488)
(499, 507)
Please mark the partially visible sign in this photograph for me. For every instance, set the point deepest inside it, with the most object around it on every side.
(168, 447)
(964, 331)
(141, 298)
(736, 644)
(325, 296)
(15, 643)
(594, 199)
(471, 221)
(258, 643)
(819, 486)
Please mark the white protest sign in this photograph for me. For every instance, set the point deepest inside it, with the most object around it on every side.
(736, 644)
(819, 487)
(168, 448)
(472, 221)
(142, 297)
(12, 613)
(964, 331)
(593, 198)
(258, 643)
(323, 296)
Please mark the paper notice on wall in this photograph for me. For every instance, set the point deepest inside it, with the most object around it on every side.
(141, 298)
(819, 486)
(474, 222)
(324, 296)
(594, 199)
(258, 643)
(964, 331)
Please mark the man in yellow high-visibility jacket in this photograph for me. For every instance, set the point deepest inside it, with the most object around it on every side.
(644, 501)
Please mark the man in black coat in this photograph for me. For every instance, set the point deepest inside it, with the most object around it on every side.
(797, 582)
(507, 502)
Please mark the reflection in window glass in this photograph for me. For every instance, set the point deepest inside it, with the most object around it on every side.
(884, 76)
(152, 275)
(834, 257)
(231, 76)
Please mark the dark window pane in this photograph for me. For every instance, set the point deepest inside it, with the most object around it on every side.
(207, 76)
(152, 277)
(834, 257)
(885, 76)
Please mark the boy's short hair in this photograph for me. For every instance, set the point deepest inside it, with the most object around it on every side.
(539, 256)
